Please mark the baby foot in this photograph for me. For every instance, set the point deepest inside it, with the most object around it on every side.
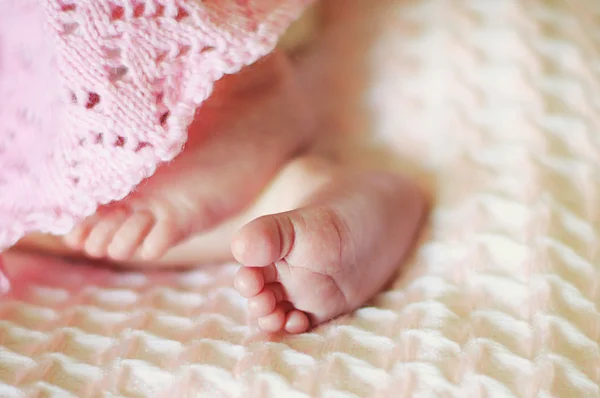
(328, 257)
(254, 121)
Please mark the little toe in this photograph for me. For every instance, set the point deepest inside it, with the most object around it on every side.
(275, 321)
(130, 235)
(102, 233)
(296, 322)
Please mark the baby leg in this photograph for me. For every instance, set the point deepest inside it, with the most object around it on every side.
(251, 126)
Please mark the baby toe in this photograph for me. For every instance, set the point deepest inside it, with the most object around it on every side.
(262, 304)
(263, 241)
(249, 282)
(296, 322)
(162, 236)
(265, 302)
(102, 233)
(77, 237)
(275, 321)
(132, 232)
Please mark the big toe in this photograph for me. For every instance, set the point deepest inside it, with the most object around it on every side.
(263, 241)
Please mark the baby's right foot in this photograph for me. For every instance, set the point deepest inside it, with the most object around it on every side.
(328, 257)
(241, 138)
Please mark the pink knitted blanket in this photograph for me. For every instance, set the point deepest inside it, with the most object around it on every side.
(95, 94)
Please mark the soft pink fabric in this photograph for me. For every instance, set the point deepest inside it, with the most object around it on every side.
(95, 94)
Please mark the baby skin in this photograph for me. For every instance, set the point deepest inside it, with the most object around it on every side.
(322, 237)
(245, 129)
(346, 235)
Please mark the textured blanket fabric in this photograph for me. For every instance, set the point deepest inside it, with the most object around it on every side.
(95, 94)
(495, 105)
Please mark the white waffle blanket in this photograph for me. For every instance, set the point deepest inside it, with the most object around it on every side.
(494, 105)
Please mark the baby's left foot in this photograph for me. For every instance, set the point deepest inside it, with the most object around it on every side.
(256, 120)
(327, 258)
